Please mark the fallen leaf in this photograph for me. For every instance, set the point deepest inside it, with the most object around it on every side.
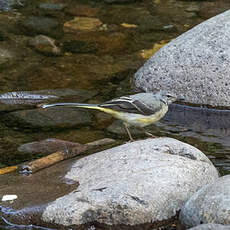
(149, 52)
(126, 25)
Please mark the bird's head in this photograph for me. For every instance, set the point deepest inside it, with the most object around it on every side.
(168, 97)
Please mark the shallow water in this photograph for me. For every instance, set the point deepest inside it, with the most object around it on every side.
(101, 61)
(117, 55)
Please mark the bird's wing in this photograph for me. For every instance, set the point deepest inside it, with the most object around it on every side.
(128, 104)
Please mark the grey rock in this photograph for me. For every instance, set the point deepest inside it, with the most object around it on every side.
(51, 6)
(195, 65)
(21, 100)
(45, 45)
(211, 204)
(13, 101)
(53, 118)
(139, 182)
(79, 95)
(211, 227)
(35, 25)
(47, 146)
(6, 5)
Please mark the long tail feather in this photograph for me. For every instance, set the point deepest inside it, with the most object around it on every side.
(79, 105)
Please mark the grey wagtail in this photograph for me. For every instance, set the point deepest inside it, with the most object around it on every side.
(139, 110)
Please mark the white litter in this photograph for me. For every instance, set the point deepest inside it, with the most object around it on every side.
(9, 197)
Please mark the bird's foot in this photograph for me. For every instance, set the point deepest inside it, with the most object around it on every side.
(150, 135)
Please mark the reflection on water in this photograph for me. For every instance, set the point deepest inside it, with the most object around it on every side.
(207, 129)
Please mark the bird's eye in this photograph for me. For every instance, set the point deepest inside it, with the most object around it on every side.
(168, 95)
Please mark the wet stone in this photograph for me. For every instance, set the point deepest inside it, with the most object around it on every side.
(82, 24)
(47, 146)
(210, 204)
(12, 101)
(46, 119)
(103, 120)
(79, 95)
(45, 45)
(52, 6)
(42, 25)
(6, 5)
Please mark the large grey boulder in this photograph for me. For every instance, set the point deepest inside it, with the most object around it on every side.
(211, 227)
(196, 64)
(141, 182)
(211, 204)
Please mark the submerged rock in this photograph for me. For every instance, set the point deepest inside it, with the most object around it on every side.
(82, 24)
(38, 96)
(195, 65)
(53, 118)
(45, 45)
(211, 204)
(47, 146)
(35, 25)
(141, 182)
(23, 98)
(6, 5)
(51, 6)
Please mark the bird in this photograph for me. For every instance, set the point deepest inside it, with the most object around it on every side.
(139, 110)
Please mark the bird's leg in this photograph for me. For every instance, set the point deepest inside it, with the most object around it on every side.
(127, 129)
(150, 134)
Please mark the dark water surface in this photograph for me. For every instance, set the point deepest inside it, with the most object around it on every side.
(101, 60)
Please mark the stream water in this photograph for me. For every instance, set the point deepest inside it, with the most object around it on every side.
(100, 56)
(91, 59)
